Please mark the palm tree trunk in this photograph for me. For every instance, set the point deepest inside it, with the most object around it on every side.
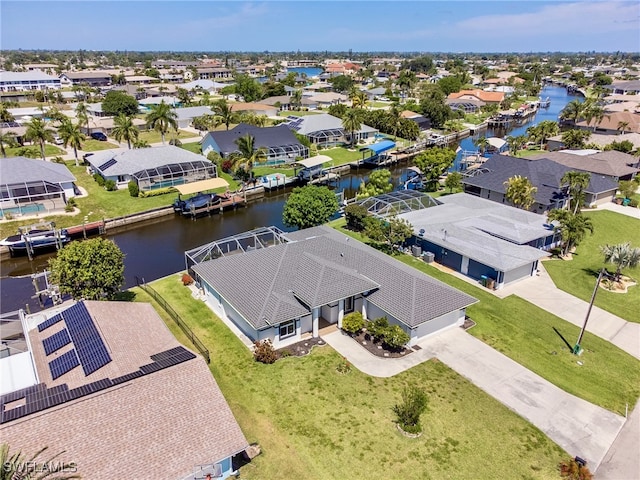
(4, 152)
(129, 142)
(162, 134)
(42, 150)
(75, 152)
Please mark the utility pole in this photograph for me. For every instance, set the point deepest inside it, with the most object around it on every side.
(577, 349)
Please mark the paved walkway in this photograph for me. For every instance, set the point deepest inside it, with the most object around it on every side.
(623, 459)
(629, 211)
(541, 291)
(578, 426)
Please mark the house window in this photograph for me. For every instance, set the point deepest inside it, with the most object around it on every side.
(287, 329)
(348, 305)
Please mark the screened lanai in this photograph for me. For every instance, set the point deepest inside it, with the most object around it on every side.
(174, 174)
(28, 198)
(396, 203)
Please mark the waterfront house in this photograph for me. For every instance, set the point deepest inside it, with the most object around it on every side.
(280, 143)
(491, 98)
(311, 278)
(326, 130)
(28, 81)
(108, 384)
(610, 163)
(254, 107)
(151, 168)
(544, 174)
(29, 186)
(610, 123)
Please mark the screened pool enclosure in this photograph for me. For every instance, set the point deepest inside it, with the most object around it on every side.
(174, 174)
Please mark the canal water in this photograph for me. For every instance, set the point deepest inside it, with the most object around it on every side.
(156, 248)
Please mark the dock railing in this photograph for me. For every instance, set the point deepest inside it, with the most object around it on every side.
(195, 341)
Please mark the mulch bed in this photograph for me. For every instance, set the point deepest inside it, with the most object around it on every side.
(468, 323)
(377, 348)
(301, 348)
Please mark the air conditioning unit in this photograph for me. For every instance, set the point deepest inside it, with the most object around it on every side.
(429, 257)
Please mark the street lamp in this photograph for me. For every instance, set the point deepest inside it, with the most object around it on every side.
(577, 349)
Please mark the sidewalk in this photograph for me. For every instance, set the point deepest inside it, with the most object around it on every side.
(623, 459)
(579, 427)
(541, 291)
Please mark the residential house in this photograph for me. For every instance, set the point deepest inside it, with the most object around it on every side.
(213, 73)
(610, 163)
(26, 81)
(326, 130)
(326, 99)
(629, 87)
(141, 80)
(90, 79)
(466, 105)
(423, 122)
(491, 98)
(151, 168)
(106, 125)
(30, 186)
(544, 174)
(597, 139)
(109, 385)
(256, 108)
(284, 103)
(377, 93)
(185, 115)
(312, 278)
(611, 122)
(280, 143)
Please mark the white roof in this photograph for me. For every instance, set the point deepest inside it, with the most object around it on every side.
(324, 121)
(25, 76)
(496, 142)
(313, 161)
(18, 372)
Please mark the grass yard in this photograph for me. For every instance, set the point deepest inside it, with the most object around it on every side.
(299, 113)
(91, 145)
(49, 151)
(153, 136)
(315, 423)
(341, 155)
(193, 147)
(262, 171)
(578, 276)
(609, 377)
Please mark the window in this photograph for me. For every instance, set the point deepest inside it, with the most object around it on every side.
(348, 305)
(287, 329)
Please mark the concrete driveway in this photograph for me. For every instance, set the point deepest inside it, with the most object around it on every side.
(581, 428)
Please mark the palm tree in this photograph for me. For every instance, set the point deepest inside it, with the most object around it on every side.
(481, 143)
(83, 116)
(594, 112)
(18, 466)
(124, 129)
(247, 154)
(573, 227)
(161, 118)
(573, 111)
(358, 98)
(37, 131)
(520, 192)
(576, 182)
(351, 123)
(622, 127)
(222, 109)
(296, 99)
(544, 130)
(622, 256)
(7, 138)
(515, 144)
(5, 114)
(395, 120)
(71, 135)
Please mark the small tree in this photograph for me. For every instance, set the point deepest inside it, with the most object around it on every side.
(110, 185)
(453, 181)
(355, 215)
(379, 183)
(264, 352)
(116, 102)
(309, 206)
(353, 323)
(520, 192)
(627, 188)
(134, 190)
(573, 227)
(396, 338)
(392, 231)
(92, 269)
(622, 256)
(17, 466)
(408, 412)
(378, 327)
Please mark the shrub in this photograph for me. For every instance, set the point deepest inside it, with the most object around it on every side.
(353, 323)
(72, 202)
(414, 403)
(227, 165)
(134, 190)
(395, 338)
(186, 279)
(69, 207)
(633, 203)
(575, 471)
(264, 352)
(110, 185)
(344, 366)
(175, 142)
(99, 179)
(155, 193)
(355, 215)
(378, 327)
(58, 160)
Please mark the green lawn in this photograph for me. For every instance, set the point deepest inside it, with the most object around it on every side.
(299, 113)
(261, 171)
(315, 423)
(341, 155)
(153, 136)
(193, 147)
(578, 276)
(91, 145)
(49, 150)
(609, 377)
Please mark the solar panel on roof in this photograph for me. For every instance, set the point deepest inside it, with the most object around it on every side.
(50, 321)
(109, 163)
(56, 341)
(63, 364)
(92, 351)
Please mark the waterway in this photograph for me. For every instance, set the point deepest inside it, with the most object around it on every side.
(156, 248)
(308, 71)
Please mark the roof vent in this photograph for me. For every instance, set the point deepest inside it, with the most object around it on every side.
(421, 232)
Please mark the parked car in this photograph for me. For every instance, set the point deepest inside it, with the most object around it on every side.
(99, 136)
(58, 140)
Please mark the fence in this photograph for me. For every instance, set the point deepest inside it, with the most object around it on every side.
(176, 318)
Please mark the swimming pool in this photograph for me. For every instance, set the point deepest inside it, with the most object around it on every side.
(28, 209)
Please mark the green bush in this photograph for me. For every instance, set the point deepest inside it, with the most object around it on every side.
(378, 328)
(110, 185)
(99, 179)
(353, 323)
(408, 412)
(134, 190)
(155, 193)
(264, 352)
(633, 203)
(395, 338)
(355, 215)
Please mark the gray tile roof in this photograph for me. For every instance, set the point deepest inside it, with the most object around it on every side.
(321, 266)
(26, 76)
(267, 137)
(324, 121)
(483, 230)
(188, 113)
(610, 163)
(137, 159)
(21, 169)
(543, 174)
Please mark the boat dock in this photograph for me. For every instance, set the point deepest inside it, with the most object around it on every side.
(233, 200)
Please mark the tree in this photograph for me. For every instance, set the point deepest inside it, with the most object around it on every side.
(83, 115)
(573, 227)
(124, 129)
(622, 256)
(450, 84)
(408, 412)
(575, 139)
(542, 131)
(358, 98)
(593, 113)
(17, 466)
(394, 116)
(520, 192)
(355, 215)
(433, 163)
(309, 206)
(573, 111)
(338, 110)
(183, 96)
(248, 88)
(627, 188)
(91, 269)
(206, 122)
(5, 114)
(453, 181)
(296, 99)
(351, 122)
(379, 183)
(71, 135)
(161, 118)
(406, 81)
(37, 131)
(7, 138)
(247, 153)
(392, 231)
(223, 110)
(116, 102)
(622, 127)
(341, 83)
(576, 182)
(481, 144)
(515, 143)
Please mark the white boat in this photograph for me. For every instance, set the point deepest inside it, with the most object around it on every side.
(36, 238)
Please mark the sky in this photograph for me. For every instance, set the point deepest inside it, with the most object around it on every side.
(367, 25)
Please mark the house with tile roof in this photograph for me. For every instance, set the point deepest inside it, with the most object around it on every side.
(611, 122)
(609, 163)
(326, 130)
(482, 95)
(314, 277)
(88, 78)
(254, 107)
(108, 384)
(25, 81)
(544, 174)
(151, 168)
